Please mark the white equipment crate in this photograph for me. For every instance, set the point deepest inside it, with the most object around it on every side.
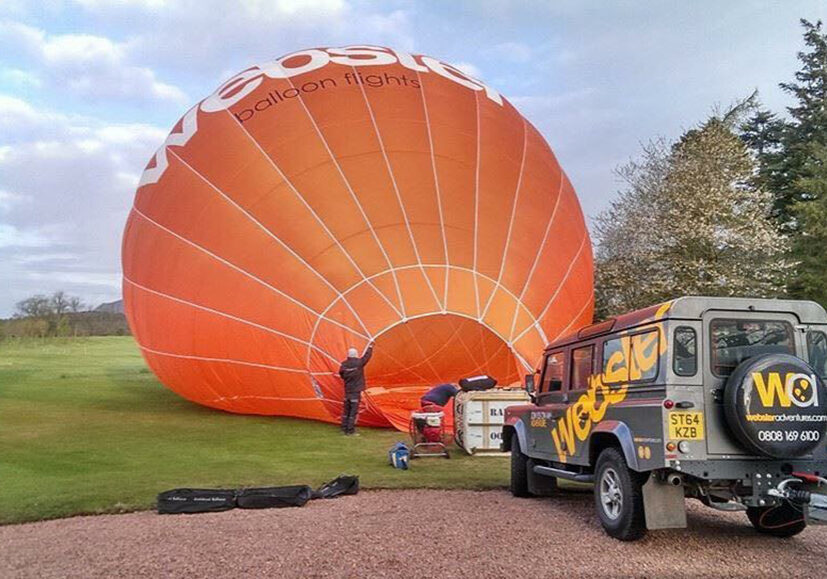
(478, 418)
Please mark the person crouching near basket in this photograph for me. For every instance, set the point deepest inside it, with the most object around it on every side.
(352, 372)
(437, 397)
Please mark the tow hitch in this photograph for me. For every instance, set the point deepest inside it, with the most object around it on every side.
(813, 496)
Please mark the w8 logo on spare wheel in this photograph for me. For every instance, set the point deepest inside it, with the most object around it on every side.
(773, 406)
(799, 389)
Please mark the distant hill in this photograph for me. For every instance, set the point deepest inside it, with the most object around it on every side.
(111, 307)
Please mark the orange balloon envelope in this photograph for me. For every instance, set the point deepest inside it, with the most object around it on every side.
(336, 196)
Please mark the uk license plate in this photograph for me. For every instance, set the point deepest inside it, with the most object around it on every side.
(686, 425)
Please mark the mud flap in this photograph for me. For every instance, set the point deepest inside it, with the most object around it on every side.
(664, 505)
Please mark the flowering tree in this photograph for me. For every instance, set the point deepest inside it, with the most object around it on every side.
(690, 222)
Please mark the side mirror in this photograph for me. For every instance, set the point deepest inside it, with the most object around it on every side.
(529, 383)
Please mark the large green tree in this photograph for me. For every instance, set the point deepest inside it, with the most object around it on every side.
(791, 164)
(810, 243)
(691, 221)
(785, 165)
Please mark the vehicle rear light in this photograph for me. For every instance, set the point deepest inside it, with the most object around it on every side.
(683, 446)
(668, 404)
(671, 446)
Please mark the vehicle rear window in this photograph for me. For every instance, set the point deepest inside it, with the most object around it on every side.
(817, 351)
(685, 356)
(553, 376)
(631, 358)
(733, 341)
(581, 367)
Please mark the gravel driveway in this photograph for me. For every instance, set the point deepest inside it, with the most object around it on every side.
(420, 533)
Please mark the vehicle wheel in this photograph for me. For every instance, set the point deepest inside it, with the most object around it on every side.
(519, 470)
(784, 520)
(618, 496)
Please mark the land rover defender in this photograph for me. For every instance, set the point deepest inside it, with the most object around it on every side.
(718, 399)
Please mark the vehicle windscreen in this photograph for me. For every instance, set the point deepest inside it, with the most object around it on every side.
(733, 341)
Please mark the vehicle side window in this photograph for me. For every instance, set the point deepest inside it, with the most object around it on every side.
(581, 367)
(631, 358)
(553, 375)
(817, 352)
(685, 352)
(733, 341)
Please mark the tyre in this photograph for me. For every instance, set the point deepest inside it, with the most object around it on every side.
(618, 497)
(519, 470)
(784, 520)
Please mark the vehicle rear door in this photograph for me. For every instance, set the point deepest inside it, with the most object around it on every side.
(730, 338)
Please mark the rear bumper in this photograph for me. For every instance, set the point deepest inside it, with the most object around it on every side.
(746, 470)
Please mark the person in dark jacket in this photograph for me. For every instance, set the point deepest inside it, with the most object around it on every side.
(352, 371)
(439, 395)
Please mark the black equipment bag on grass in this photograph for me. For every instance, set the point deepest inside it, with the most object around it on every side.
(342, 485)
(196, 501)
(274, 497)
(477, 383)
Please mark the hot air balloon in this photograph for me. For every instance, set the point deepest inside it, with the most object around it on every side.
(336, 196)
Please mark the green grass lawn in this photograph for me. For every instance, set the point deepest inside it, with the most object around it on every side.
(86, 428)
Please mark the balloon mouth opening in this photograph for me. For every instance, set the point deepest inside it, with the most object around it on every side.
(412, 357)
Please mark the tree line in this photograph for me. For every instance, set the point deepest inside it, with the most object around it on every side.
(735, 206)
(60, 315)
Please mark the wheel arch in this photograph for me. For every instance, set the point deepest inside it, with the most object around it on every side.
(613, 433)
(510, 431)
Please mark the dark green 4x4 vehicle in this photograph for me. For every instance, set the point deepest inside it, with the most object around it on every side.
(718, 399)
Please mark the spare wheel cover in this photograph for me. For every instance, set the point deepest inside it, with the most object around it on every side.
(775, 405)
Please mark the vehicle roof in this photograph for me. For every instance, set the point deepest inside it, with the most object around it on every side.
(693, 308)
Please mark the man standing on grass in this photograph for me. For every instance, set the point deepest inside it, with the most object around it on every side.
(352, 372)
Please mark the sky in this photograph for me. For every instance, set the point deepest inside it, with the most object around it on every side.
(90, 88)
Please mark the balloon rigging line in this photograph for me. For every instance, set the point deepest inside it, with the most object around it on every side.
(445, 344)
(396, 190)
(436, 188)
(477, 199)
(279, 398)
(352, 194)
(468, 350)
(448, 267)
(244, 272)
(319, 220)
(267, 231)
(540, 250)
(229, 316)
(220, 360)
(421, 351)
(511, 221)
(409, 369)
(447, 311)
(559, 287)
(467, 316)
(482, 366)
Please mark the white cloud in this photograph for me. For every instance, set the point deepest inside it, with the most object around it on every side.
(11, 236)
(19, 78)
(86, 65)
(97, 5)
(256, 30)
(468, 69)
(511, 52)
(66, 186)
(9, 199)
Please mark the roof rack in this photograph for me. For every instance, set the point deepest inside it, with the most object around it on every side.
(597, 329)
